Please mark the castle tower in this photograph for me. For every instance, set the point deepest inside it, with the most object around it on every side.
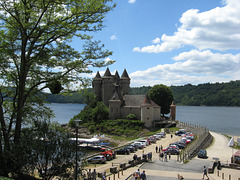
(115, 104)
(96, 84)
(107, 87)
(125, 82)
(147, 112)
(173, 111)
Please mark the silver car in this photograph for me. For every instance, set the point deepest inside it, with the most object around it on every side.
(97, 159)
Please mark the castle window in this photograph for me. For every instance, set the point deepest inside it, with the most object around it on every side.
(130, 109)
(148, 108)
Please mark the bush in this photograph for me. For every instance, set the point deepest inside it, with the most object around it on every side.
(91, 129)
(131, 117)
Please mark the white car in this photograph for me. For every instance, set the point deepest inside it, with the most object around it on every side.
(138, 144)
(142, 143)
(145, 142)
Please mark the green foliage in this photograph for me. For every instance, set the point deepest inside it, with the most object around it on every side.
(217, 94)
(41, 143)
(140, 90)
(91, 114)
(121, 127)
(100, 112)
(55, 87)
(163, 96)
(131, 117)
(35, 54)
(91, 128)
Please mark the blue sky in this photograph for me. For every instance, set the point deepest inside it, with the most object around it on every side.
(173, 42)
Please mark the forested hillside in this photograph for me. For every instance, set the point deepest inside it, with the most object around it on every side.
(217, 94)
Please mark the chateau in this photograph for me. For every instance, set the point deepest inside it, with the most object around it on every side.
(113, 90)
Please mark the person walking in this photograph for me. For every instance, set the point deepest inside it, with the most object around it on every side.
(205, 172)
(169, 155)
(89, 175)
(165, 156)
(104, 176)
(143, 175)
(137, 174)
(94, 175)
(161, 155)
(156, 149)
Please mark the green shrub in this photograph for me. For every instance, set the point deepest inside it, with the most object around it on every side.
(91, 128)
(131, 117)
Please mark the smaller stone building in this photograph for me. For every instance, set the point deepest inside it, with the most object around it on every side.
(114, 92)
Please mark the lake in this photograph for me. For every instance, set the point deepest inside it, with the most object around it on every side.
(225, 120)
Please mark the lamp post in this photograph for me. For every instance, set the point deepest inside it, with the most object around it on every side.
(76, 170)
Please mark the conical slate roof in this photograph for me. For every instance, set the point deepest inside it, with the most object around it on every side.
(125, 74)
(107, 73)
(117, 77)
(98, 76)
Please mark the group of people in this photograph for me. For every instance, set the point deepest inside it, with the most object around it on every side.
(162, 155)
(139, 176)
(158, 149)
(92, 175)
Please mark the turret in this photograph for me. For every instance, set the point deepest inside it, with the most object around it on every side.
(173, 111)
(125, 82)
(107, 87)
(96, 84)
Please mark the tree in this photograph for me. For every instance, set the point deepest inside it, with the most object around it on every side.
(162, 95)
(35, 54)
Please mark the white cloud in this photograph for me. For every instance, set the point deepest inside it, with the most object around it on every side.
(131, 1)
(216, 29)
(113, 37)
(157, 40)
(193, 67)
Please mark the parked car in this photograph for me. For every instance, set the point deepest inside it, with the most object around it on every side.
(186, 140)
(107, 153)
(202, 153)
(131, 148)
(138, 144)
(97, 159)
(157, 136)
(135, 146)
(180, 132)
(172, 151)
(162, 134)
(174, 146)
(179, 145)
(152, 139)
(169, 147)
(123, 150)
(146, 142)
